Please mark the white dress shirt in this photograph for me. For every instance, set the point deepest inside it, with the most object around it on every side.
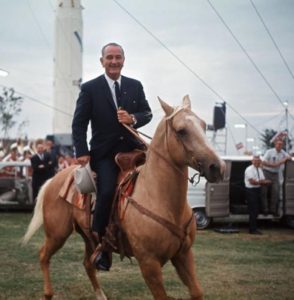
(273, 156)
(252, 172)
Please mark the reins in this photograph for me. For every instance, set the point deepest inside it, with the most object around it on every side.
(180, 233)
(190, 179)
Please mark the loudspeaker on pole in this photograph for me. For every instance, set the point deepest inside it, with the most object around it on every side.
(219, 116)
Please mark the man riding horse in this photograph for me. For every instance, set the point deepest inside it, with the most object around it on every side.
(108, 102)
(156, 218)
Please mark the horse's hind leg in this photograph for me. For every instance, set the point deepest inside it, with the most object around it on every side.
(151, 271)
(51, 246)
(184, 265)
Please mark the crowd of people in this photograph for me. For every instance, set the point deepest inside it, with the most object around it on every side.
(43, 157)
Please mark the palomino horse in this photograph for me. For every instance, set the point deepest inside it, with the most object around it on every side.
(179, 142)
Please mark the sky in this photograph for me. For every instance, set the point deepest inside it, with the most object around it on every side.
(240, 52)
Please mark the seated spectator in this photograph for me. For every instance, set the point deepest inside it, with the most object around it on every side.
(62, 163)
(2, 151)
(70, 160)
(27, 154)
(12, 156)
(13, 153)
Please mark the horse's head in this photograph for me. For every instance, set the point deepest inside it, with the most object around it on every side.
(186, 141)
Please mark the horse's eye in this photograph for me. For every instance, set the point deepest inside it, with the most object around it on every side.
(182, 132)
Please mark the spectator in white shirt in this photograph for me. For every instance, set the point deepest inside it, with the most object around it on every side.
(254, 179)
(273, 160)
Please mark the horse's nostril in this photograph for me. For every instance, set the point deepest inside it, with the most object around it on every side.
(214, 168)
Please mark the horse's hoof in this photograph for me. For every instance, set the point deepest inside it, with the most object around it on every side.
(47, 297)
(100, 295)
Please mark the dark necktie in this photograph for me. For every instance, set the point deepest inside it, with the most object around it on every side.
(258, 173)
(117, 94)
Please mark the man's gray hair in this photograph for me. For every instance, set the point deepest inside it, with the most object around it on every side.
(112, 44)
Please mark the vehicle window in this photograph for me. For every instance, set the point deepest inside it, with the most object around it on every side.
(237, 186)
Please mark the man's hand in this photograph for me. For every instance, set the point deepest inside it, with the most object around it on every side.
(83, 160)
(283, 161)
(265, 182)
(124, 117)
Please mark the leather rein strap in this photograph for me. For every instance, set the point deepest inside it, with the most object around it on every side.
(181, 233)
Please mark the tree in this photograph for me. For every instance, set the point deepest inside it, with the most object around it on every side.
(10, 108)
(266, 137)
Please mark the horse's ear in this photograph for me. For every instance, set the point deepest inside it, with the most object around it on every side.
(167, 109)
(187, 102)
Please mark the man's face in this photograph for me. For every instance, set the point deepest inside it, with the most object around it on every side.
(49, 144)
(256, 162)
(14, 153)
(112, 61)
(279, 145)
(40, 148)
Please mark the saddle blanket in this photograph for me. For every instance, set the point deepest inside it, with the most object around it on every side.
(69, 193)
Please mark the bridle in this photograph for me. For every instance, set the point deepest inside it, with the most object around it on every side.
(168, 124)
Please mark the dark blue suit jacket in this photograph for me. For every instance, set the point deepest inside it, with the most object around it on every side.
(95, 105)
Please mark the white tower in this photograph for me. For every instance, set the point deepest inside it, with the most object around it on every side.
(67, 62)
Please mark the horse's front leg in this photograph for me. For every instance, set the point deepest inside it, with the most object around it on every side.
(151, 271)
(184, 265)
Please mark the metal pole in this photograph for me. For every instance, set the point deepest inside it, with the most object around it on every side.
(246, 136)
(226, 139)
(287, 128)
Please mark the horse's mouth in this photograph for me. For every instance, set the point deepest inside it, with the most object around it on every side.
(200, 168)
(213, 172)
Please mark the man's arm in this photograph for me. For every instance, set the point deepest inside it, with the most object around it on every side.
(277, 163)
(36, 164)
(259, 182)
(80, 124)
(144, 114)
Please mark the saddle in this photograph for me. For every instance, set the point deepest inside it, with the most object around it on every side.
(129, 161)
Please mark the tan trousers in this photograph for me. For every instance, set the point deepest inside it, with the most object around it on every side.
(273, 190)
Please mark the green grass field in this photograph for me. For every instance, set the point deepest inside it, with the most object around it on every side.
(230, 267)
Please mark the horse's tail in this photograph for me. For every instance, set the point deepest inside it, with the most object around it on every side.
(37, 219)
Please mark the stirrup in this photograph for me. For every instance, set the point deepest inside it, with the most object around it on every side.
(96, 252)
